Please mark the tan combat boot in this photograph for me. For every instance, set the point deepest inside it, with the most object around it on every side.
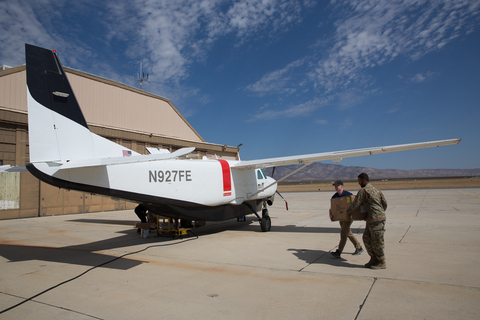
(381, 264)
(373, 260)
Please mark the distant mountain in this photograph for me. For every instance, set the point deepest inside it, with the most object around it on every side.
(322, 171)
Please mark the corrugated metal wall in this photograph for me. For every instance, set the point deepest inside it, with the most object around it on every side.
(13, 89)
(115, 107)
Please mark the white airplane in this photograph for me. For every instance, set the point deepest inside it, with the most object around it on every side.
(64, 153)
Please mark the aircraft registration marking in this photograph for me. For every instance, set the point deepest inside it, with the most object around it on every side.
(169, 175)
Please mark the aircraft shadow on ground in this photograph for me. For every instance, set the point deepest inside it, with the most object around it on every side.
(323, 257)
(19, 253)
(87, 254)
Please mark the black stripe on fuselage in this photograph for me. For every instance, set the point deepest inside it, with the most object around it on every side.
(45, 76)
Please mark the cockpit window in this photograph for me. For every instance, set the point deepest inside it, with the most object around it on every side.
(264, 174)
(259, 174)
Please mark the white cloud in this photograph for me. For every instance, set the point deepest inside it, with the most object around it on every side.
(169, 36)
(247, 16)
(303, 109)
(19, 25)
(275, 81)
(422, 77)
(349, 98)
(371, 33)
(175, 34)
(392, 110)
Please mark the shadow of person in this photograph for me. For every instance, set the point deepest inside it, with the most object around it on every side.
(322, 257)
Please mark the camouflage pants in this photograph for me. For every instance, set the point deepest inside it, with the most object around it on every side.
(373, 239)
(345, 233)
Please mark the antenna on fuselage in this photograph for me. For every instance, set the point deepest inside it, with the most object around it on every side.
(141, 76)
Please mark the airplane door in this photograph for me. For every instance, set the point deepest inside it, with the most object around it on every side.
(261, 179)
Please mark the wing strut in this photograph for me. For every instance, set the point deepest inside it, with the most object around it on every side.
(284, 177)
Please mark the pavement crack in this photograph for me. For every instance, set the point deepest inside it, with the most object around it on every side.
(404, 234)
(310, 263)
(365, 300)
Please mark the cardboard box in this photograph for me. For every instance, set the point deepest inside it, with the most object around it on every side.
(339, 208)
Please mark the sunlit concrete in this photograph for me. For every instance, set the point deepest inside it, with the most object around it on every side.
(97, 267)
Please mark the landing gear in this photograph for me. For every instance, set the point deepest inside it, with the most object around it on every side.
(265, 222)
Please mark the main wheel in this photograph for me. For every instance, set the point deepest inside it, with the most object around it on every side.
(265, 224)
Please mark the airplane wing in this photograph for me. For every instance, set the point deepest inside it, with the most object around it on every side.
(336, 156)
(124, 160)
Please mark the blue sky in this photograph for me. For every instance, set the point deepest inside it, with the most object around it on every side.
(283, 77)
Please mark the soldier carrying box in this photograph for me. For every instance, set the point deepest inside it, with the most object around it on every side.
(373, 236)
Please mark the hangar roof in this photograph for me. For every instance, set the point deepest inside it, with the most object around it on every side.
(107, 104)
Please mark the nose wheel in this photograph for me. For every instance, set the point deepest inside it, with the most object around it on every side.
(265, 222)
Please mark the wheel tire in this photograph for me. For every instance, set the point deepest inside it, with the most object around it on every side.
(265, 224)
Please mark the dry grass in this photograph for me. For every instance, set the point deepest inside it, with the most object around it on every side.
(389, 184)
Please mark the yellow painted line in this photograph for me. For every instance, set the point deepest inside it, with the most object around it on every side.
(468, 194)
(303, 214)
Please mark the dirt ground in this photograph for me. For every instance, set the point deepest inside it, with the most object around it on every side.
(388, 184)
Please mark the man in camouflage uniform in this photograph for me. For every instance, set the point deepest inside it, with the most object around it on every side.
(375, 204)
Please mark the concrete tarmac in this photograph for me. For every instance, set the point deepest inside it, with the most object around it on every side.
(95, 266)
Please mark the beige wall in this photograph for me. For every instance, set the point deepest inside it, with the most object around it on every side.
(125, 108)
(13, 89)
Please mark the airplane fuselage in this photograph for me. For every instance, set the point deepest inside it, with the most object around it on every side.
(167, 185)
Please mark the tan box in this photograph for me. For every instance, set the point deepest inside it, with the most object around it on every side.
(339, 208)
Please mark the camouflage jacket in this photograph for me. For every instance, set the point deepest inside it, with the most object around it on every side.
(374, 203)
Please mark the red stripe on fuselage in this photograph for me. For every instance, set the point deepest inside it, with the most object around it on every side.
(227, 180)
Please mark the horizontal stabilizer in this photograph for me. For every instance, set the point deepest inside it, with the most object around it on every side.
(125, 160)
(337, 155)
(9, 168)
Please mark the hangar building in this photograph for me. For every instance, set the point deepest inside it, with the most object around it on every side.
(128, 116)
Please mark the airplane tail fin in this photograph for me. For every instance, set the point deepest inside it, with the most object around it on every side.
(58, 131)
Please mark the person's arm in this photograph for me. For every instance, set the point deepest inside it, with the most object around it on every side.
(357, 201)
